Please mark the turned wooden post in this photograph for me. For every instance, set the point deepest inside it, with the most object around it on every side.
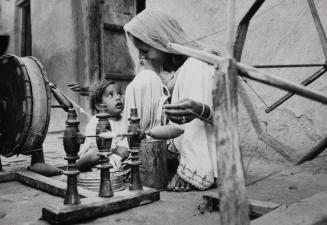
(71, 146)
(134, 142)
(231, 185)
(104, 146)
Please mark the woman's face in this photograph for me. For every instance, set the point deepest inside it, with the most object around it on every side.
(154, 56)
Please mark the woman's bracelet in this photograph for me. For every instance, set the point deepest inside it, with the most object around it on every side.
(206, 113)
(201, 115)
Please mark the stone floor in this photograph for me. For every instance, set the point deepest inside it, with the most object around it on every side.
(267, 180)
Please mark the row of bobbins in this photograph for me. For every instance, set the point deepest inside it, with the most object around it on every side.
(73, 139)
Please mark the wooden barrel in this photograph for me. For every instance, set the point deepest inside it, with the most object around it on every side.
(153, 155)
(25, 105)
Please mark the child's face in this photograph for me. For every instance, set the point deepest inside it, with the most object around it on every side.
(112, 97)
(152, 55)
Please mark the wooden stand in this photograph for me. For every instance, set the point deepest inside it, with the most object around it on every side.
(91, 205)
(95, 206)
(107, 202)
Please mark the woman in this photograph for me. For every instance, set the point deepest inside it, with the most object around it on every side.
(158, 67)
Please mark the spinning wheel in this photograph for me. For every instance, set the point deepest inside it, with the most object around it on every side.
(25, 99)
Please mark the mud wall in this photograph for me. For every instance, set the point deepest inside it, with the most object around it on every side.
(282, 32)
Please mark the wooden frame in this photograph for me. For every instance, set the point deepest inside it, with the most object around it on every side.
(91, 206)
(284, 150)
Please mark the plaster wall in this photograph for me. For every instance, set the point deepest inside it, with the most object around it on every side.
(7, 19)
(282, 32)
(57, 41)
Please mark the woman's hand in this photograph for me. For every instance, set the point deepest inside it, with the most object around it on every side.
(183, 111)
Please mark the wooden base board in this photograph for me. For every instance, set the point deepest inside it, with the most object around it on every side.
(96, 207)
(91, 206)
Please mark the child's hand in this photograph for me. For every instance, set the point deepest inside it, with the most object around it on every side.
(115, 161)
(121, 151)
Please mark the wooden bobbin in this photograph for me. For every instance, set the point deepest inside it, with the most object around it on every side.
(104, 146)
(71, 146)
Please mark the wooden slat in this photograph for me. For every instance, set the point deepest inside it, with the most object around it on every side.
(319, 27)
(253, 73)
(7, 176)
(242, 29)
(284, 150)
(310, 211)
(232, 192)
(49, 185)
(95, 207)
(313, 153)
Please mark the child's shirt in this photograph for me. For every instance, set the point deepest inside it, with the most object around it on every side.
(117, 126)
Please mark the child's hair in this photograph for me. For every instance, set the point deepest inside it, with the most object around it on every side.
(97, 92)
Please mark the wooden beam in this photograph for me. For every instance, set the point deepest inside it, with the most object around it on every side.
(306, 82)
(266, 78)
(49, 185)
(242, 29)
(287, 152)
(230, 27)
(310, 211)
(232, 192)
(7, 176)
(95, 207)
(284, 150)
(253, 73)
(319, 27)
(313, 153)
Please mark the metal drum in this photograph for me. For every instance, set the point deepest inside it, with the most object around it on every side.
(25, 105)
(91, 180)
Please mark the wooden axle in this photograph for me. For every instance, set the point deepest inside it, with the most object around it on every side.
(252, 73)
(306, 82)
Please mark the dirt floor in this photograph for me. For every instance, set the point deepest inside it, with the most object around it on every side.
(266, 180)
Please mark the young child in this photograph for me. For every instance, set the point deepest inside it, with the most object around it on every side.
(109, 93)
